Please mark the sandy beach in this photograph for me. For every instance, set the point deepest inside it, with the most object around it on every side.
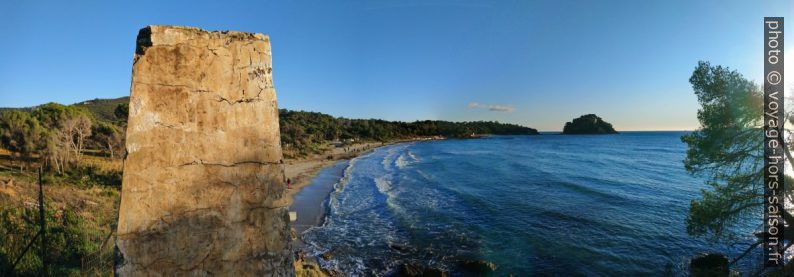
(313, 179)
(310, 203)
(302, 171)
(309, 210)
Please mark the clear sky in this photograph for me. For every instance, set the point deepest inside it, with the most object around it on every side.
(535, 63)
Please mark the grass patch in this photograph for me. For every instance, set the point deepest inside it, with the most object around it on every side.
(81, 215)
(86, 176)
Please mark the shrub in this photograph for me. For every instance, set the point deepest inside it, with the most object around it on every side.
(70, 248)
(90, 175)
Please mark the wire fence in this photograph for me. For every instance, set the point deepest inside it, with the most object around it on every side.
(45, 243)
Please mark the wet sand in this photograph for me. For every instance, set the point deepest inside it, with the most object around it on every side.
(302, 171)
(310, 203)
(313, 179)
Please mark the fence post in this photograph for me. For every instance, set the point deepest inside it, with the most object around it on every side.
(43, 228)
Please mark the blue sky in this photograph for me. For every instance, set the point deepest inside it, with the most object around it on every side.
(535, 63)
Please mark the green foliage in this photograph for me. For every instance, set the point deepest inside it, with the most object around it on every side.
(105, 109)
(21, 133)
(122, 111)
(304, 132)
(87, 176)
(588, 124)
(70, 247)
(101, 131)
(50, 115)
(727, 149)
(108, 137)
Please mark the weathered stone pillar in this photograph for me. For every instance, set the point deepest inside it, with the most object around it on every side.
(202, 175)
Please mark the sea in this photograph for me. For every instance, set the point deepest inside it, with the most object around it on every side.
(550, 204)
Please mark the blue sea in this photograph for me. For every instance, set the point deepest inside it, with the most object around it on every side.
(596, 205)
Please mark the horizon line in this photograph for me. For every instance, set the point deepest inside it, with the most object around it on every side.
(619, 131)
(303, 110)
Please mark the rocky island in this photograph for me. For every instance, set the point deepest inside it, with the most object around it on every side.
(588, 124)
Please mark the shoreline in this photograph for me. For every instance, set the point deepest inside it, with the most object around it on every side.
(320, 176)
(302, 171)
(315, 181)
(310, 203)
(311, 210)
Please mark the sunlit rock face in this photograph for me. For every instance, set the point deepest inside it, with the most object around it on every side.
(202, 177)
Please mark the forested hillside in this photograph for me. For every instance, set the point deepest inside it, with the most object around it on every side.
(103, 121)
(303, 132)
(80, 148)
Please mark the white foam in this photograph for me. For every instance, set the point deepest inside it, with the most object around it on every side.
(413, 156)
(383, 184)
(339, 186)
(388, 158)
(401, 162)
(427, 177)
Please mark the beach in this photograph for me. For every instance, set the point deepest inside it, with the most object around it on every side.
(308, 190)
(520, 205)
(311, 188)
(301, 171)
(312, 180)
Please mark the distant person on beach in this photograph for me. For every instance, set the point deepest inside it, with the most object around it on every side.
(289, 183)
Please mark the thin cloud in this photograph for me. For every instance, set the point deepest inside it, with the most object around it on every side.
(493, 108)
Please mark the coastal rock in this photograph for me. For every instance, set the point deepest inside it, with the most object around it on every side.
(588, 124)
(327, 255)
(709, 264)
(433, 272)
(202, 176)
(478, 266)
(399, 247)
(309, 269)
(412, 270)
(305, 268)
(409, 270)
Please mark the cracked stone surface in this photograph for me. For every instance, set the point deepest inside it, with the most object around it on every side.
(202, 177)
